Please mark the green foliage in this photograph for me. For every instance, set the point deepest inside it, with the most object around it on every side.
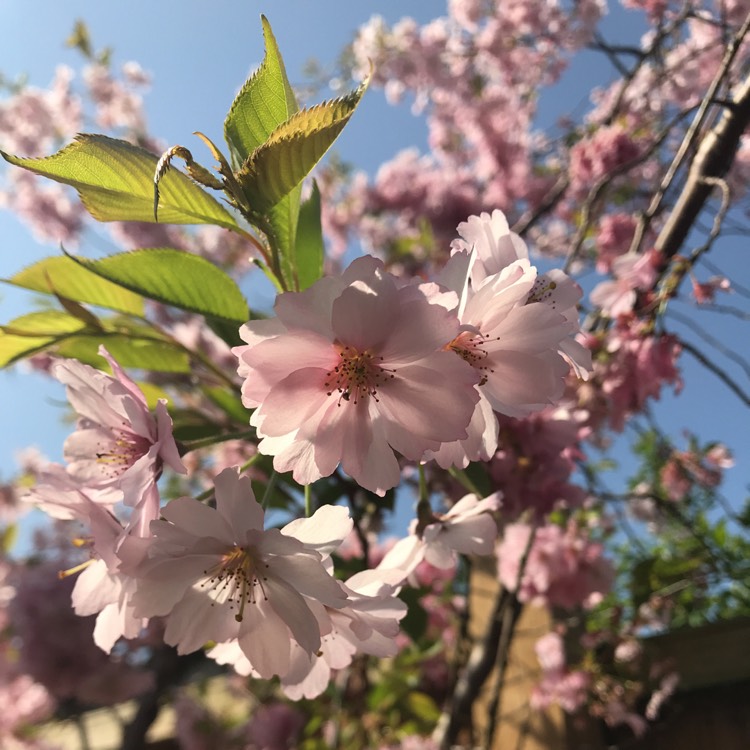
(692, 560)
(115, 181)
(293, 149)
(273, 146)
(61, 275)
(264, 102)
(175, 278)
(309, 248)
(130, 348)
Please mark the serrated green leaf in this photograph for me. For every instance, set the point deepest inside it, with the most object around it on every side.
(309, 247)
(63, 276)
(283, 218)
(175, 278)
(115, 181)
(13, 348)
(293, 149)
(265, 101)
(43, 323)
(128, 350)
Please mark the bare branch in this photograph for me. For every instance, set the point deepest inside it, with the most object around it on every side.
(716, 370)
(712, 159)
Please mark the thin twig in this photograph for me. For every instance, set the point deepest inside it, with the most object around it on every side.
(716, 370)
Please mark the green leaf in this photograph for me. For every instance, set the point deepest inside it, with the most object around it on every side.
(35, 332)
(414, 624)
(153, 393)
(128, 350)
(264, 102)
(13, 348)
(422, 706)
(175, 278)
(43, 323)
(229, 402)
(309, 247)
(293, 149)
(115, 181)
(62, 276)
(283, 218)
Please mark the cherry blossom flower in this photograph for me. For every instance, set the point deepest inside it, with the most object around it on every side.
(368, 624)
(632, 273)
(215, 574)
(567, 688)
(57, 647)
(467, 528)
(564, 568)
(352, 370)
(517, 330)
(119, 441)
(101, 588)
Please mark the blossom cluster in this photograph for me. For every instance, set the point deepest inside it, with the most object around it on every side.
(361, 370)
(364, 365)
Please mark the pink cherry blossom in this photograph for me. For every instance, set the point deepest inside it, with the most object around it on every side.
(512, 331)
(215, 574)
(632, 273)
(57, 647)
(564, 568)
(119, 441)
(352, 370)
(467, 528)
(101, 588)
(368, 624)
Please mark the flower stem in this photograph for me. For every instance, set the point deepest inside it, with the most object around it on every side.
(269, 490)
(308, 501)
(216, 439)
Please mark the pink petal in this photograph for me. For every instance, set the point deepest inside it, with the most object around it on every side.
(236, 502)
(195, 518)
(324, 531)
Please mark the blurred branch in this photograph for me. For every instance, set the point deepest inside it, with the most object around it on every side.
(716, 370)
(712, 341)
(169, 669)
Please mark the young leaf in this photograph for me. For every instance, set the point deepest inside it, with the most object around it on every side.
(13, 348)
(175, 278)
(115, 181)
(128, 350)
(293, 149)
(43, 323)
(35, 332)
(62, 276)
(264, 102)
(283, 218)
(309, 248)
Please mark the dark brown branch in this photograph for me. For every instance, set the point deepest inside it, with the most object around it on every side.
(712, 160)
(478, 668)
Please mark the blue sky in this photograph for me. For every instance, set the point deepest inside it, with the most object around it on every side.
(199, 54)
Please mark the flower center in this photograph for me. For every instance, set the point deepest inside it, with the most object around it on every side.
(233, 580)
(357, 375)
(121, 452)
(469, 345)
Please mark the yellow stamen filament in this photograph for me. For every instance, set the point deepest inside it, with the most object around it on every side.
(72, 571)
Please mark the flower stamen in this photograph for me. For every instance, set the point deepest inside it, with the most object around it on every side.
(357, 376)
